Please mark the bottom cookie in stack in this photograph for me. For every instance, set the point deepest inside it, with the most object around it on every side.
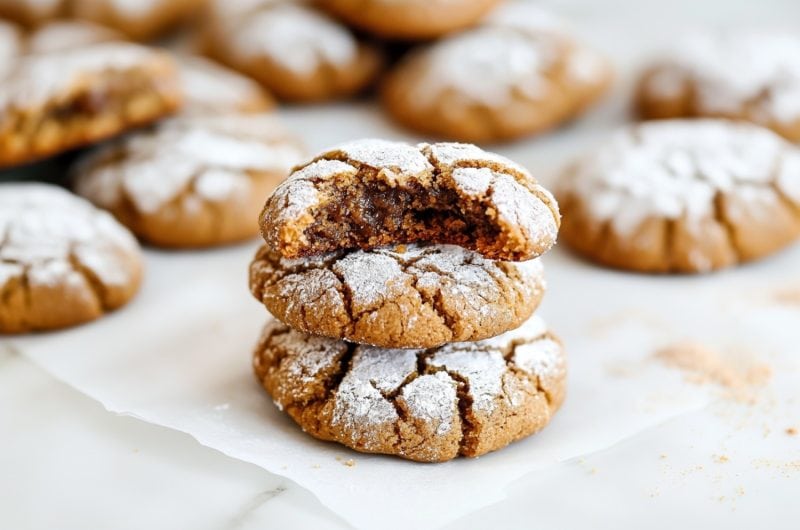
(428, 405)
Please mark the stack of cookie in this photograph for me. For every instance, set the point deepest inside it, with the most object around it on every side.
(403, 280)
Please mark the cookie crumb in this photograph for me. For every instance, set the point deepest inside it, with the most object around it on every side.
(787, 296)
(721, 459)
(662, 456)
(791, 431)
(704, 365)
(349, 462)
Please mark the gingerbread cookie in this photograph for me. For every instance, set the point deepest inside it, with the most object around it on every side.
(57, 101)
(683, 196)
(192, 181)
(67, 34)
(398, 297)
(209, 87)
(297, 53)
(462, 399)
(411, 19)
(511, 77)
(738, 75)
(371, 193)
(62, 261)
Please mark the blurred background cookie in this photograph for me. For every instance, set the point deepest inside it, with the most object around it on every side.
(62, 35)
(57, 101)
(398, 297)
(62, 261)
(410, 19)
(683, 196)
(747, 75)
(193, 181)
(519, 73)
(10, 46)
(296, 52)
(462, 399)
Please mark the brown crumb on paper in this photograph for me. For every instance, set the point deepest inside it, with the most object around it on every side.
(787, 296)
(791, 431)
(740, 377)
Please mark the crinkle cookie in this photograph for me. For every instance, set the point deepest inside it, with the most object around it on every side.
(398, 297)
(57, 101)
(62, 261)
(517, 74)
(192, 181)
(462, 399)
(683, 196)
(372, 193)
(410, 19)
(209, 87)
(753, 76)
(296, 52)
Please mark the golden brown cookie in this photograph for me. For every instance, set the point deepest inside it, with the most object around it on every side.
(139, 19)
(371, 193)
(192, 181)
(67, 34)
(297, 53)
(463, 399)
(32, 12)
(410, 19)
(683, 196)
(513, 76)
(57, 101)
(62, 261)
(209, 87)
(398, 297)
(753, 76)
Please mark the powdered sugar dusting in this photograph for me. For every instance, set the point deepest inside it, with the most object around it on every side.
(399, 157)
(452, 154)
(432, 398)
(10, 46)
(210, 156)
(65, 34)
(44, 228)
(208, 86)
(733, 71)
(296, 37)
(483, 368)
(674, 169)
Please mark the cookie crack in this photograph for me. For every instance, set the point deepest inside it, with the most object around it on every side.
(535, 379)
(96, 286)
(726, 224)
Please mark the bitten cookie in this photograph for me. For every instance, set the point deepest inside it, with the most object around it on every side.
(297, 53)
(513, 76)
(411, 19)
(192, 181)
(62, 261)
(463, 399)
(398, 297)
(372, 193)
(738, 75)
(683, 196)
(57, 101)
(210, 88)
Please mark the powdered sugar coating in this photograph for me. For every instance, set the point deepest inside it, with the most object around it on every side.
(675, 169)
(209, 157)
(10, 46)
(400, 158)
(296, 37)
(61, 35)
(45, 232)
(733, 71)
(41, 78)
(210, 87)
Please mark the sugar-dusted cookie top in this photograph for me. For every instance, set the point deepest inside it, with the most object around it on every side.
(193, 180)
(398, 297)
(462, 399)
(687, 196)
(295, 51)
(10, 46)
(371, 193)
(410, 19)
(61, 35)
(62, 261)
(511, 76)
(209, 87)
(749, 75)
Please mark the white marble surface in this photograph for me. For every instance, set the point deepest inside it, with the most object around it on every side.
(65, 462)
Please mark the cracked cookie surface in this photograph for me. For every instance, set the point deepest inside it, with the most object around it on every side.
(407, 297)
(56, 101)
(519, 73)
(62, 261)
(411, 19)
(429, 405)
(683, 196)
(293, 50)
(372, 193)
(741, 75)
(192, 181)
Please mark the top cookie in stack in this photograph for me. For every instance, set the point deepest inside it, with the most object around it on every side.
(404, 279)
